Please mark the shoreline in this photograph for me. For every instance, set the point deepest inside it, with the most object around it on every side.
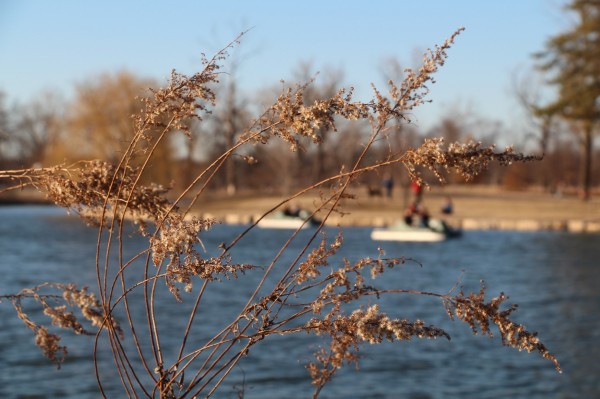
(467, 224)
(475, 208)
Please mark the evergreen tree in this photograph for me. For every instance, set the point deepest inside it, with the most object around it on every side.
(573, 60)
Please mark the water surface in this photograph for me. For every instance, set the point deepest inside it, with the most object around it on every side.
(552, 276)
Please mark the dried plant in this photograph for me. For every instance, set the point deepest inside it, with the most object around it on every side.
(314, 294)
(70, 297)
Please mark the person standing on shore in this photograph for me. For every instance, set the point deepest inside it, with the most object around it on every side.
(388, 184)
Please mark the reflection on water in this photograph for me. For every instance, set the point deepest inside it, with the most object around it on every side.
(552, 276)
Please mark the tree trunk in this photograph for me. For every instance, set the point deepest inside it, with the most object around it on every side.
(585, 165)
(230, 134)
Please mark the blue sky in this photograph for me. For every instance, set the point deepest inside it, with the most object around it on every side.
(51, 45)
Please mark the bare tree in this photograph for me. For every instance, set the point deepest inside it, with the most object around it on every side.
(25, 130)
(227, 125)
(100, 124)
(4, 128)
(543, 127)
(39, 127)
(318, 86)
(99, 120)
(401, 135)
(528, 92)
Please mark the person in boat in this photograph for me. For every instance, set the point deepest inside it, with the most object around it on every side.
(416, 212)
(408, 216)
(423, 215)
(292, 210)
(298, 212)
(409, 213)
(447, 207)
(417, 190)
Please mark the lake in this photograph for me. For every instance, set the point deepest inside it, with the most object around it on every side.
(553, 276)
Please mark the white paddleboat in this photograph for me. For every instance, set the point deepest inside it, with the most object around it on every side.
(282, 221)
(436, 231)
